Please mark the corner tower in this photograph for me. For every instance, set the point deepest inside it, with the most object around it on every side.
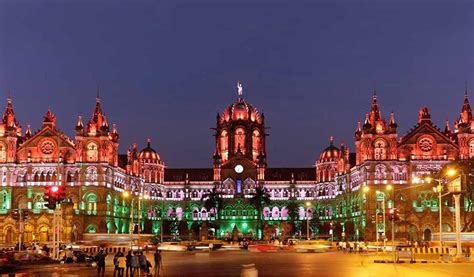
(95, 142)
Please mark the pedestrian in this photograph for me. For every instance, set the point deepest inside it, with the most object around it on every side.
(142, 260)
(100, 259)
(116, 269)
(135, 265)
(157, 258)
(122, 263)
(128, 258)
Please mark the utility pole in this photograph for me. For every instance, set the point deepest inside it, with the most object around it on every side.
(457, 204)
(20, 234)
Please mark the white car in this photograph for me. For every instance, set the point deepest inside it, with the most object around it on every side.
(172, 246)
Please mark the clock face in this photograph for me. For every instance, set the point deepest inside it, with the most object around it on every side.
(239, 168)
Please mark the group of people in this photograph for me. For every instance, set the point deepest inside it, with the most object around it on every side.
(134, 264)
(352, 246)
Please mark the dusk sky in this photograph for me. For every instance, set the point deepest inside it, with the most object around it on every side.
(165, 68)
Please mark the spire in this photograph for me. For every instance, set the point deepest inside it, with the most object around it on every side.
(98, 121)
(358, 131)
(148, 143)
(375, 114)
(9, 118)
(466, 112)
(392, 118)
(28, 132)
(79, 125)
(49, 119)
(447, 129)
(331, 140)
(424, 116)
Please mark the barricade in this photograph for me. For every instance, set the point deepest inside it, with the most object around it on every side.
(405, 254)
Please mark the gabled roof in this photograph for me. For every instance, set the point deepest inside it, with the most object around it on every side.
(426, 128)
(48, 131)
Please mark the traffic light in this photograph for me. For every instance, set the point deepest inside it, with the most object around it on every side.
(54, 194)
(16, 214)
(393, 214)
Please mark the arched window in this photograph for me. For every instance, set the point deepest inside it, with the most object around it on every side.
(3, 153)
(471, 149)
(91, 204)
(239, 140)
(380, 151)
(255, 144)
(4, 201)
(224, 145)
(380, 172)
(195, 214)
(92, 152)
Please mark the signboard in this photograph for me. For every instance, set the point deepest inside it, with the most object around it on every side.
(455, 185)
(380, 197)
(381, 227)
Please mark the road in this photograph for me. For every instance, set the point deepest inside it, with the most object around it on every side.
(276, 264)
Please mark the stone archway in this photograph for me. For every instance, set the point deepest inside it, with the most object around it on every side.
(28, 233)
(43, 234)
(413, 233)
(9, 235)
(427, 234)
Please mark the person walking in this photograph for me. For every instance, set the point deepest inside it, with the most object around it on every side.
(128, 259)
(122, 263)
(142, 260)
(116, 269)
(157, 258)
(135, 265)
(100, 259)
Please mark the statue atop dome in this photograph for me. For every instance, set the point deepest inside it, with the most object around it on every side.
(239, 88)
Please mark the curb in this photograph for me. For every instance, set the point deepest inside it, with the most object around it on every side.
(411, 262)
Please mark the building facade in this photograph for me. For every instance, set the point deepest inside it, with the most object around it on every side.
(114, 193)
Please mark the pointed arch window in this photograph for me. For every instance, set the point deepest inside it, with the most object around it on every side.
(256, 141)
(471, 149)
(224, 144)
(92, 152)
(380, 151)
(240, 140)
(3, 153)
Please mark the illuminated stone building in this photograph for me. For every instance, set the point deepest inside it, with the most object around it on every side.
(327, 195)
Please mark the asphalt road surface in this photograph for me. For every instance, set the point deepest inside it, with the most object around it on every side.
(274, 264)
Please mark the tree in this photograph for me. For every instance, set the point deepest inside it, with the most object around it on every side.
(211, 200)
(259, 199)
(292, 208)
(349, 229)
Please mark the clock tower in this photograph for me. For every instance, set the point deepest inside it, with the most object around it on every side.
(240, 143)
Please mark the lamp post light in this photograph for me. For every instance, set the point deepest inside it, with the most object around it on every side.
(126, 194)
(308, 204)
(383, 212)
(439, 189)
(457, 205)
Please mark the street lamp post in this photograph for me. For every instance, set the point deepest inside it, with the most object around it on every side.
(308, 204)
(383, 212)
(439, 190)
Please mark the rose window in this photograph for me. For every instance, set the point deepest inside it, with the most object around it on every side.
(47, 147)
(425, 144)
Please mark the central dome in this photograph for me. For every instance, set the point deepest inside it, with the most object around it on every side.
(241, 110)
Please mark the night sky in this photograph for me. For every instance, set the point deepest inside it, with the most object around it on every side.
(166, 67)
